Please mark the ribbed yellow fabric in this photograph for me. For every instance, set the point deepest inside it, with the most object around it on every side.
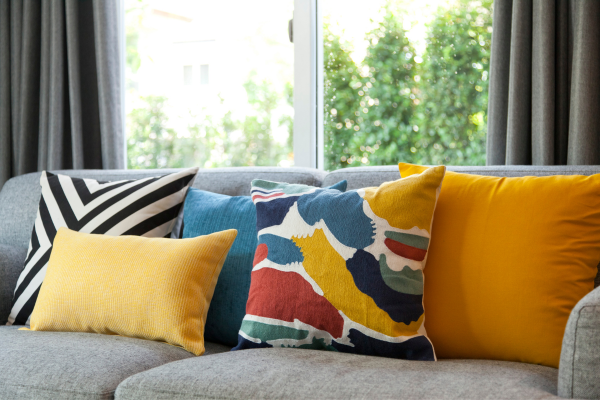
(149, 288)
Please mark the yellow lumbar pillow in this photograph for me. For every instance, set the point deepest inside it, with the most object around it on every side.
(508, 260)
(149, 288)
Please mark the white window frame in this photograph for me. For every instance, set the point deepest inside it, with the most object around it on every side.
(308, 84)
(123, 61)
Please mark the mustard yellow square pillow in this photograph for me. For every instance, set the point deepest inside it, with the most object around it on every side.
(509, 258)
(149, 288)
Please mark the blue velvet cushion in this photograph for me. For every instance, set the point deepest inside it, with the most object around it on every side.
(205, 213)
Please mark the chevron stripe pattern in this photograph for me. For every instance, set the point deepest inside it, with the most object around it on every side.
(144, 207)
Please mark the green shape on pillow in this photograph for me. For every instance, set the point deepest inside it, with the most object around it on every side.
(420, 242)
(407, 281)
(294, 188)
(266, 332)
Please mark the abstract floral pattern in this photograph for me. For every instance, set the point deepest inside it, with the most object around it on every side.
(342, 271)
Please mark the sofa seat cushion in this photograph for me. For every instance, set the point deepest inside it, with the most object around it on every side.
(300, 373)
(62, 365)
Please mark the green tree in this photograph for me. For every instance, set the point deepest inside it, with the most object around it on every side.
(389, 103)
(251, 141)
(150, 140)
(392, 108)
(209, 140)
(341, 100)
(454, 89)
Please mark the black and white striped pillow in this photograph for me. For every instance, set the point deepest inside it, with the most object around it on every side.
(143, 207)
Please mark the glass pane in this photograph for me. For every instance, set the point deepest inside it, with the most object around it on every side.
(406, 81)
(209, 83)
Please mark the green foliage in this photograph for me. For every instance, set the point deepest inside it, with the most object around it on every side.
(150, 141)
(396, 106)
(388, 106)
(340, 98)
(454, 94)
(255, 144)
(209, 140)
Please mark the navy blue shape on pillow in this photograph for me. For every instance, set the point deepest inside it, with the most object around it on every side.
(272, 213)
(417, 349)
(401, 307)
(244, 343)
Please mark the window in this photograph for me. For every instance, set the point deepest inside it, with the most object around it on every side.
(208, 83)
(406, 81)
(211, 84)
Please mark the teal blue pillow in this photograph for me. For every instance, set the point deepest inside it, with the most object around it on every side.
(205, 213)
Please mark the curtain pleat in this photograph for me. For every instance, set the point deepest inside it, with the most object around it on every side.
(30, 87)
(75, 85)
(498, 89)
(543, 96)
(564, 57)
(6, 149)
(45, 56)
(16, 29)
(109, 82)
(60, 86)
(549, 56)
(518, 145)
(584, 124)
(55, 149)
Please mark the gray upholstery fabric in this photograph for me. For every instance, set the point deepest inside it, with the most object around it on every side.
(58, 365)
(20, 196)
(579, 372)
(544, 83)
(311, 374)
(11, 265)
(60, 91)
(360, 177)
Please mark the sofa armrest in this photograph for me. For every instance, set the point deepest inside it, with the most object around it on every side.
(11, 264)
(579, 369)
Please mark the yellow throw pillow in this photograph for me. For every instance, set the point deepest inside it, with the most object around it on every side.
(508, 260)
(148, 288)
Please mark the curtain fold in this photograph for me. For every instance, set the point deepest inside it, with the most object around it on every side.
(60, 86)
(544, 95)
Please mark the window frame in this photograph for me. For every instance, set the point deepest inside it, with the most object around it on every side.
(308, 141)
(308, 85)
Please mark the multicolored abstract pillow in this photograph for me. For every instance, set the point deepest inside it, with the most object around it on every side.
(342, 271)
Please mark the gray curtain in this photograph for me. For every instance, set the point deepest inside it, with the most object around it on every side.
(544, 94)
(60, 86)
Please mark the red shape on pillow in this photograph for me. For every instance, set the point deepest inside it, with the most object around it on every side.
(262, 251)
(287, 296)
(405, 251)
(266, 196)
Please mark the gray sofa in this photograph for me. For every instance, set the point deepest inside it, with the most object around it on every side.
(55, 365)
